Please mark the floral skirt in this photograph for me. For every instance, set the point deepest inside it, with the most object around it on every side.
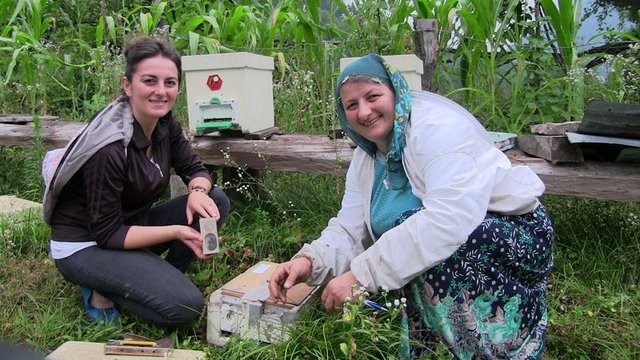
(488, 300)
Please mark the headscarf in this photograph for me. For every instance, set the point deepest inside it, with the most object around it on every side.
(375, 66)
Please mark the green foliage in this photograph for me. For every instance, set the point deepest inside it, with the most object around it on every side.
(564, 19)
(298, 90)
(20, 173)
(502, 75)
(18, 233)
(619, 83)
(595, 289)
(23, 39)
(383, 24)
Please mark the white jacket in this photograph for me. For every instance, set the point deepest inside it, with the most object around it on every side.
(459, 175)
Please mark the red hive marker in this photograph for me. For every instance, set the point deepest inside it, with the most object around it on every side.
(214, 82)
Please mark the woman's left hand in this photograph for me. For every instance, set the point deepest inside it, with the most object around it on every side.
(201, 203)
(337, 290)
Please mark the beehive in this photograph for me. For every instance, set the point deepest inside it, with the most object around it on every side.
(243, 308)
(231, 91)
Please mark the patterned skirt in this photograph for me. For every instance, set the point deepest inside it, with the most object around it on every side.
(488, 300)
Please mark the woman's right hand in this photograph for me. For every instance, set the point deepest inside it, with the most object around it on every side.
(193, 239)
(287, 275)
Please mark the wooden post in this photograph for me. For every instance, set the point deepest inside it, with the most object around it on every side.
(426, 48)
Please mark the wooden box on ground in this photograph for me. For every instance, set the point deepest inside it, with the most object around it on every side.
(243, 308)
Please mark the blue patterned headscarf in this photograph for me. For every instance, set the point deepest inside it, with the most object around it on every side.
(374, 65)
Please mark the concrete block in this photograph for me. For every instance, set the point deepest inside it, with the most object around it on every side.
(12, 205)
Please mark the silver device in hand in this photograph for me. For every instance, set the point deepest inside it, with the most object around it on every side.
(209, 231)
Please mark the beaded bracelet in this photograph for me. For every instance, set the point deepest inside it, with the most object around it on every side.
(198, 188)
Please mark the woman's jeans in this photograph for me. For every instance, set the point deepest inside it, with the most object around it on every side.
(141, 281)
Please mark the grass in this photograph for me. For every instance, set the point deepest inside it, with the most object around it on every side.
(594, 295)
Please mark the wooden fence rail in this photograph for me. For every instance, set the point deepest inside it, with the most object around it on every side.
(318, 154)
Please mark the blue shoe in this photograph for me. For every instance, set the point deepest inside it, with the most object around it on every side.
(108, 315)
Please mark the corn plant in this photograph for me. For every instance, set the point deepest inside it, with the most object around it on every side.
(314, 42)
(564, 20)
(383, 23)
(6, 11)
(489, 63)
(23, 41)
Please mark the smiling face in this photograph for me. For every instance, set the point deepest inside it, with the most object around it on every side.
(152, 88)
(369, 108)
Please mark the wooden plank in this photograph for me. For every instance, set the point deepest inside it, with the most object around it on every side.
(593, 179)
(314, 154)
(23, 119)
(54, 133)
(318, 154)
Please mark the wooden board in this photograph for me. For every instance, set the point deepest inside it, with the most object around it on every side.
(22, 119)
(82, 350)
(598, 180)
(314, 154)
(320, 155)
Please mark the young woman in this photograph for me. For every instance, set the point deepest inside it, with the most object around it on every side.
(433, 210)
(108, 231)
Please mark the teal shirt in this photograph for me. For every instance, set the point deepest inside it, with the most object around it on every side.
(388, 204)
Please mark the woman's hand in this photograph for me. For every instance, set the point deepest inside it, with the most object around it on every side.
(337, 290)
(288, 274)
(201, 203)
(192, 238)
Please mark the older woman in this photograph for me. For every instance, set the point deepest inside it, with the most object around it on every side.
(432, 209)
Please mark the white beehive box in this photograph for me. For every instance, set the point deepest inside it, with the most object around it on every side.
(231, 91)
(243, 308)
(410, 65)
